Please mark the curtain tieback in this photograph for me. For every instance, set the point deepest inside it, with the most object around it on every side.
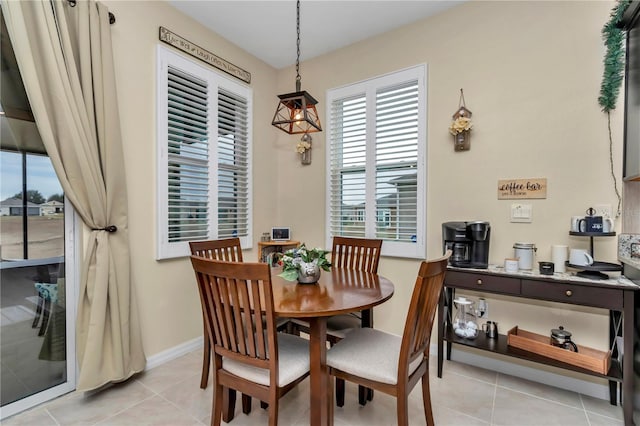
(110, 228)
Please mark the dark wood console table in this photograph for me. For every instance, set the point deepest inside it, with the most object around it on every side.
(617, 296)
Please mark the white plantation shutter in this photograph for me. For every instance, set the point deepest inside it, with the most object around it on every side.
(203, 156)
(233, 156)
(396, 162)
(188, 157)
(376, 162)
(347, 163)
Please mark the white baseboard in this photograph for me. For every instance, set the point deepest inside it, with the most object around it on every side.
(174, 352)
(589, 388)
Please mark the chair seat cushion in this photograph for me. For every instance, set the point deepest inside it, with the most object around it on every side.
(337, 326)
(343, 322)
(293, 362)
(371, 354)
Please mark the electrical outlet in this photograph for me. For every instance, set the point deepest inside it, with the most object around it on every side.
(482, 308)
(603, 210)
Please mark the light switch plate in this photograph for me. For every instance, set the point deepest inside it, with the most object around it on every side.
(522, 213)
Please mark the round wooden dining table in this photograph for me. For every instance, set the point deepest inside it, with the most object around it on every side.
(338, 291)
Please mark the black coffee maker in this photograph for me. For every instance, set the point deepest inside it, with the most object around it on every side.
(468, 242)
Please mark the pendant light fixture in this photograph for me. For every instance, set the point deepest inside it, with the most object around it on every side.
(296, 112)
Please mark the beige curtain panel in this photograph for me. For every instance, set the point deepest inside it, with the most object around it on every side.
(65, 56)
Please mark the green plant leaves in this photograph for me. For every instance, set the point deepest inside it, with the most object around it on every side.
(614, 58)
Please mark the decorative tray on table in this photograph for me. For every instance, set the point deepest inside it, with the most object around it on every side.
(595, 269)
(587, 358)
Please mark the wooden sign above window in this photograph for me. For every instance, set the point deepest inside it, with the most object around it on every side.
(512, 189)
(198, 52)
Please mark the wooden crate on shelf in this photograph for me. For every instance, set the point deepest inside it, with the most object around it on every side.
(587, 358)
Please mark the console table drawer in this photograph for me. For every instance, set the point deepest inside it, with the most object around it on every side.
(479, 282)
(574, 294)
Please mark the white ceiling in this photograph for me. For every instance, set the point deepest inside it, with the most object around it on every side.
(267, 28)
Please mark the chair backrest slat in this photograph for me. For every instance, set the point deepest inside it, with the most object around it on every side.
(422, 308)
(258, 328)
(235, 297)
(356, 253)
(210, 309)
(227, 249)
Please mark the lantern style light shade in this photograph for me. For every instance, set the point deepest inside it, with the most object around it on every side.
(296, 113)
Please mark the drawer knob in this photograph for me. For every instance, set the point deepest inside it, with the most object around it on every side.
(479, 282)
(568, 293)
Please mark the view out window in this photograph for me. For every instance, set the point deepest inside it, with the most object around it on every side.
(31, 221)
(204, 122)
(377, 149)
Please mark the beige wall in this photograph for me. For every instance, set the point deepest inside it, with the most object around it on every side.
(530, 73)
(168, 298)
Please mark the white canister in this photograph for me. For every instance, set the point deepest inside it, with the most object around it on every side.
(559, 257)
(524, 252)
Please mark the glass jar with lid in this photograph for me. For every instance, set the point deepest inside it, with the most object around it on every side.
(525, 252)
(464, 321)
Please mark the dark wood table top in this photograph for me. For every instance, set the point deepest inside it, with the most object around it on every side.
(337, 291)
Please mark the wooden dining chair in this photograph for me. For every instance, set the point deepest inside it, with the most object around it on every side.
(229, 250)
(359, 254)
(393, 364)
(248, 356)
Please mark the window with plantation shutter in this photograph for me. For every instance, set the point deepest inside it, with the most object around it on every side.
(204, 122)
(377, 148)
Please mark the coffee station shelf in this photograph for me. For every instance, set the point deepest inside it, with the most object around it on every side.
(592, 234)
(501, 346)
(597, 266)
(614, 295)
(594, 270)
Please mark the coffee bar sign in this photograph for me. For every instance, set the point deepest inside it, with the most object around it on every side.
(198, 52)
(512, 189)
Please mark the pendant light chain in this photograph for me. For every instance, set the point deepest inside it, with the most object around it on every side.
(298, 78)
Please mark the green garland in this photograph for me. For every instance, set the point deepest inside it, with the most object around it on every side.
(612, 78)
(614, 58)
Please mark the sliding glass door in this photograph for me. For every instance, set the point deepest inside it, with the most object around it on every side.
(37, 294)
(37, 253)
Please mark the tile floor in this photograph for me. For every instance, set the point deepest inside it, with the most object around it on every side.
(466, 395)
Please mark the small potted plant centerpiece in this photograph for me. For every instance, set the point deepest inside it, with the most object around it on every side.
(304, 264)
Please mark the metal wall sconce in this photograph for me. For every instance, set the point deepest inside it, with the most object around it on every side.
(304, 149)
(461, 126)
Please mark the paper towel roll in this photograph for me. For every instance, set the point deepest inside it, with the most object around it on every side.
(559, 257)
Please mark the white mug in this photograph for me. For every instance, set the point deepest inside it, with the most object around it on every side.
(575, 223)
(580, 257)
(607, 224)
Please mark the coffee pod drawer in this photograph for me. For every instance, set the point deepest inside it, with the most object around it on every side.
(479, 282)
(568, 293)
